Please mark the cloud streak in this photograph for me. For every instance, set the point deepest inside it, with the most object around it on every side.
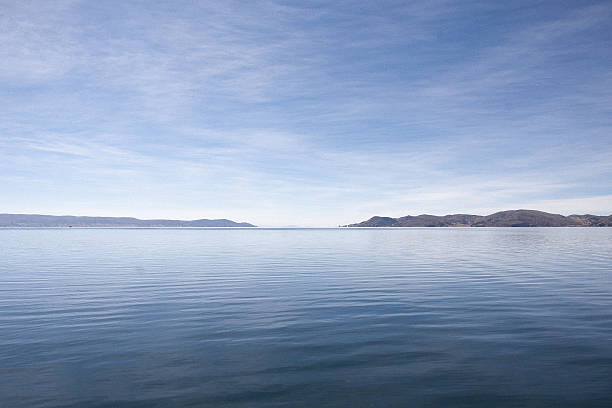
(312, 114)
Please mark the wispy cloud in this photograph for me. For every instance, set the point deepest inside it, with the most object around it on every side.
(303, 113)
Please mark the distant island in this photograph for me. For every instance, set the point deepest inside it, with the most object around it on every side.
(36, 220)
(511, 218)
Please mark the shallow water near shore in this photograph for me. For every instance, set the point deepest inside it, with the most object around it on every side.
(419, 317)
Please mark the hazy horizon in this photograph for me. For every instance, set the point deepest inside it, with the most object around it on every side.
(259, 226)
(310, 115)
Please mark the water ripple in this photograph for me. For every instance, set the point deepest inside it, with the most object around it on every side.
(330, 317)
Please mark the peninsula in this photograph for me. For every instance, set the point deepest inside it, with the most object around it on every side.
(511, 218)
(36, 220)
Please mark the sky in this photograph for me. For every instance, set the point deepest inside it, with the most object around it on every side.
(306, 113)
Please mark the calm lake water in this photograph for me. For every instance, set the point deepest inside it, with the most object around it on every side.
(306, 317)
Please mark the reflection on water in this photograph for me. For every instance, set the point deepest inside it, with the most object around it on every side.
(306, 318)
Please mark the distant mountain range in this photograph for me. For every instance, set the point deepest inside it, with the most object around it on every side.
(512, 218)
(36, 220)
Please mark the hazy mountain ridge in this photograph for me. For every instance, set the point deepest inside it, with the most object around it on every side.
(37, 220)
(510, 218)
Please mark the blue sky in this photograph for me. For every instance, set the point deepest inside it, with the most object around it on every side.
(305, 113)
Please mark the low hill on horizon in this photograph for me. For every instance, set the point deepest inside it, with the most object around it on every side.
(510, 218)
(38, 220)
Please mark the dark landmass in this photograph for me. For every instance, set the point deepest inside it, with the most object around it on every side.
(512, 218)
(36, 220)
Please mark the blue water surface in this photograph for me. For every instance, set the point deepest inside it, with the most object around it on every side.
(431, 317)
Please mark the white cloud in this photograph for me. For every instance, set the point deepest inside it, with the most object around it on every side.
(270, 112)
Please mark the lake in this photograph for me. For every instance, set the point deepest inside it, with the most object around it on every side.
(415, 317)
